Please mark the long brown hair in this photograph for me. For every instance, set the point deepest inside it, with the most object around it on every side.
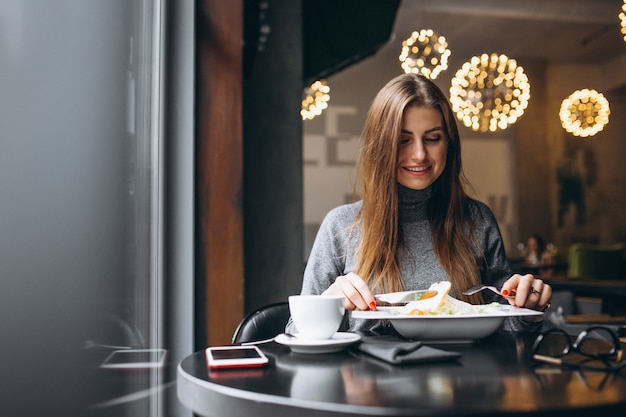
(448, 211)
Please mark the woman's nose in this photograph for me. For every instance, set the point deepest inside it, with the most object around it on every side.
(418, 151)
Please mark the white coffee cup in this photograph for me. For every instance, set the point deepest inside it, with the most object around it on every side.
(316, 316)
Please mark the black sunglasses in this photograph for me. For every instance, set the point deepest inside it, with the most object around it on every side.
(596, 342)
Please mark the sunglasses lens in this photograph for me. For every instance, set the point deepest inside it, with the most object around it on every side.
(553, 344)
(598, 342)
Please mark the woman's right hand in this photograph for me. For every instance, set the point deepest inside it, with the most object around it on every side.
(356, 292)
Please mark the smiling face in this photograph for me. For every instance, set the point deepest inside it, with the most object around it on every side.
(423, 147)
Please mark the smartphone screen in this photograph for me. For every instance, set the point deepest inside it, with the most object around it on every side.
(235, 356)
(135, 359)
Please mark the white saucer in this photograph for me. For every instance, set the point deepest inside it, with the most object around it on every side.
(336, 343)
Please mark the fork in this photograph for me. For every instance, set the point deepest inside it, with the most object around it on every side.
(481, 287)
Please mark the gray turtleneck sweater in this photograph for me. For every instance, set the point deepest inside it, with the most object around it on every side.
(334, 251)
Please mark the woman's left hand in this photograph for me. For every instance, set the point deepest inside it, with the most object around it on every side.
(530, 292)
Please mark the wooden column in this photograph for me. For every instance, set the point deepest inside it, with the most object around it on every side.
(219, 218)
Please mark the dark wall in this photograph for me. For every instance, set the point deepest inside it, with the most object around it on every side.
(272, 129)
(532, 160)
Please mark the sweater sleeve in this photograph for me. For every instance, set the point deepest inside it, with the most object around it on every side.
(333, 250)
(495, 268)
(332, 253)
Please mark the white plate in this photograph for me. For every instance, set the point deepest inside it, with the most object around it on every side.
(336, 343)
(445, 328)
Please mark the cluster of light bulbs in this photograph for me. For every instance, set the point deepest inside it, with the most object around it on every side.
(316, 98)
(424, 52)
(584, 113)
(489, 92)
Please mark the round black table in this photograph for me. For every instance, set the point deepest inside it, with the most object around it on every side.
(495, 376)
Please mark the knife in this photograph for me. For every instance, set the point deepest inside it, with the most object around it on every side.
(403, 297)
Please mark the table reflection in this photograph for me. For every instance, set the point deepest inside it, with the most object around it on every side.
(495, 375)
(358, 379)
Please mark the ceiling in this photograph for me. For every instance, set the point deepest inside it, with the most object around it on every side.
(564, 31)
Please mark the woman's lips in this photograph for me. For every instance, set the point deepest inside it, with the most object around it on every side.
(417, 170)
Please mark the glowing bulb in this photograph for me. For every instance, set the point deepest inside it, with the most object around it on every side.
(425, 53)
(315, 101)
(484, 85)
(584, 113)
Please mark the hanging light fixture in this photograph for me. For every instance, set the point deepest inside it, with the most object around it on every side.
(425, 52)
(489, 92)
(622, 18)
(315, 100)
(584, 113)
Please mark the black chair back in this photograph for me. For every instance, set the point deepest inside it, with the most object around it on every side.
(263, 323)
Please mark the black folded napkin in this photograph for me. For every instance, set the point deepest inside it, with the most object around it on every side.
(399, 352)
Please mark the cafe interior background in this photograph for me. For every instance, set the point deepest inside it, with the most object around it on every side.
(125, 222)
(518, 171)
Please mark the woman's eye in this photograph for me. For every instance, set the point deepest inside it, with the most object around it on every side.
(434, 139)
(404, 141)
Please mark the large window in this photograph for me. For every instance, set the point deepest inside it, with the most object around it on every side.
(95, 217)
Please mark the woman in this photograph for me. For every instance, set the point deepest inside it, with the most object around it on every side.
(537, 253)
(414, 225)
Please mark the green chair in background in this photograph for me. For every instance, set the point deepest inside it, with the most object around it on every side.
(596, 261)
(561, 256)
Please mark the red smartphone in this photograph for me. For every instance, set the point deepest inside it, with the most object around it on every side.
(235, 357)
